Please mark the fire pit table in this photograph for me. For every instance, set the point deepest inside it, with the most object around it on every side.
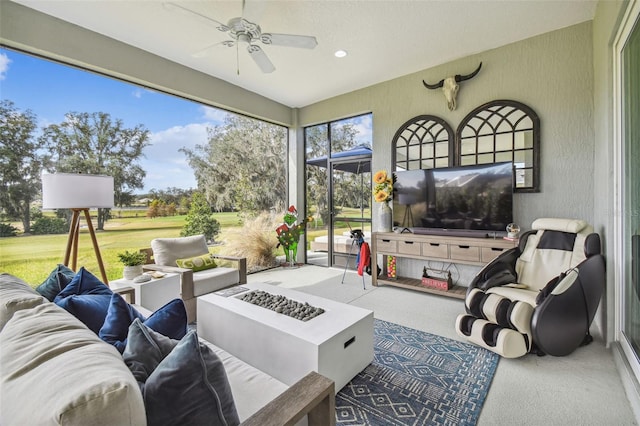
(338, 343)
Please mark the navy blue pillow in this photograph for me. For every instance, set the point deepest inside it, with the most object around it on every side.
(186, 386)
(55, 282)
(84, 282)
(91, 309)
(170, 320)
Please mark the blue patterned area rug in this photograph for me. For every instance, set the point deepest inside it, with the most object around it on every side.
(417, 378)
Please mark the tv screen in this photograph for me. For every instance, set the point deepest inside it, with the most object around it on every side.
(476, 198)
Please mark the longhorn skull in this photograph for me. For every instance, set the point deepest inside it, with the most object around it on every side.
(450, 86)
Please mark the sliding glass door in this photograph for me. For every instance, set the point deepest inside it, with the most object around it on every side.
(338, 188)
(629, 301)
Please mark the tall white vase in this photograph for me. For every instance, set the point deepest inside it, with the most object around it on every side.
(385, 218)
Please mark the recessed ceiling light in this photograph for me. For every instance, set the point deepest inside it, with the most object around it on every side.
(340, 53)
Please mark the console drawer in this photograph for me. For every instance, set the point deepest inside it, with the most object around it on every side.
(439, 250)
(409, 247)
(490, 253)
(387, 246)
(464, 252)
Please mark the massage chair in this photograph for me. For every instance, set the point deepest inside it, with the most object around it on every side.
(540, 296)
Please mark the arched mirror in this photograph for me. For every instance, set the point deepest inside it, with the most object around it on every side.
(502, 130)
(424, 142)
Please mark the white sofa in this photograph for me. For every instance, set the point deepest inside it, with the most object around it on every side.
(165, 252)
(56, 371)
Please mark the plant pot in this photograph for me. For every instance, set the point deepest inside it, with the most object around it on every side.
(130, 272)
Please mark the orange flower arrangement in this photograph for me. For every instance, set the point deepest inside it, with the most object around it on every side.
(383, 187)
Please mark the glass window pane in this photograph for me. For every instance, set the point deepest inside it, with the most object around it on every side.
(414, 152)
(414, 164)
(524, 157)
(442, 162)
(442, 149)
(524, 178)
(468, 146)
(468, 160)
(485, 144)
(504, 142)
(503, 156)
(427, 164)
(523, 139)
(485, 158)
(401, 154)
(427, 150)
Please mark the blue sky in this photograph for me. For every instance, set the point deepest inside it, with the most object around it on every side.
(51, 90)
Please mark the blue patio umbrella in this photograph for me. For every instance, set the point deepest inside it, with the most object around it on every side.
(360, 152)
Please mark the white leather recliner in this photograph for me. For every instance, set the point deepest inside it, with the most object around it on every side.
(540, 296)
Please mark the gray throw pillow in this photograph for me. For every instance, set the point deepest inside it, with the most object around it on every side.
(181, 382)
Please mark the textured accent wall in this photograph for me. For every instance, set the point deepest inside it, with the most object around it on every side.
(552, 73)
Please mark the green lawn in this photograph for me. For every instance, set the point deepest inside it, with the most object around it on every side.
(33, 257)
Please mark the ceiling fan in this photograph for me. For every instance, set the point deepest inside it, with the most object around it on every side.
(242, 31)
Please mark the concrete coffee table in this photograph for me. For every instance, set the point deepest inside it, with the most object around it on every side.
(337, 344)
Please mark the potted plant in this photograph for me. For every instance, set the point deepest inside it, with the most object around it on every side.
(132, 261)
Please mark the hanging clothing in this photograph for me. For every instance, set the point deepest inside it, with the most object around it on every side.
(365, 258)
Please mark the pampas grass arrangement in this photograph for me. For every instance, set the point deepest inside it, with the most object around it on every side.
(256, 240)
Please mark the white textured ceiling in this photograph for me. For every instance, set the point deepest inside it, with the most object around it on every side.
(384, 39)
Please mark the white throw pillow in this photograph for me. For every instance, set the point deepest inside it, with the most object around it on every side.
(167, 250)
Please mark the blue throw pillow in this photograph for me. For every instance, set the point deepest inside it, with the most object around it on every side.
(187, 385)
(84, 282)
(91, 309)
(55, 282)
(170, 320)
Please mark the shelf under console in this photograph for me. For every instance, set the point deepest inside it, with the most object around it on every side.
(453, 249)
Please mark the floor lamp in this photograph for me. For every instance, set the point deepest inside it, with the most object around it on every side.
(78, 193)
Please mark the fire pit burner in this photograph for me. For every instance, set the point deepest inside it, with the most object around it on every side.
(282, 305)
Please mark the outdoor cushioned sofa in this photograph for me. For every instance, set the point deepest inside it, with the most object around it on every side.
(54, 370)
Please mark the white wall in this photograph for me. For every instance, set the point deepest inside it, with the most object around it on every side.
(552, 73)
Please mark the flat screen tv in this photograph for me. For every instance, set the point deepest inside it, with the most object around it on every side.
(467, 200)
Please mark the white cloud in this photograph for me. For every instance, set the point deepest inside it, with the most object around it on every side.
(164, 164)
(4, 65)
(214, 115)
(138, 92)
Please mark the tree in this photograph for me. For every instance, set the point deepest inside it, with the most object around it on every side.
(243, 166)
(93, 143)
(200, 220)
(21, 162)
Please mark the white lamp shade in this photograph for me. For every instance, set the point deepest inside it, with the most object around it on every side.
(76, 191)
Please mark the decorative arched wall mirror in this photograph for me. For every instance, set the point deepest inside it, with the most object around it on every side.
(502, 130)
(424, 142)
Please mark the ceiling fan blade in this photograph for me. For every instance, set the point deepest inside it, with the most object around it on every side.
(193, 14)
(260, 58)
(289, 40)
(209, 49)
(252, 11)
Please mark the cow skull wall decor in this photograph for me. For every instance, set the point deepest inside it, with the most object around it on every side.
(450, 86)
